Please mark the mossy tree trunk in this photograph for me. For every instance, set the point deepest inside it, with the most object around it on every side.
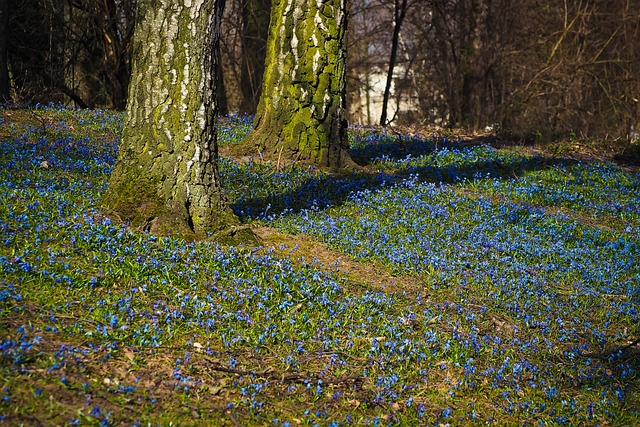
(301, 113)
(166, 177)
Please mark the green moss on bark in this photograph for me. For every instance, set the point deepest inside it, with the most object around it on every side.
(301, 114)
(166, 178)
(136, 201)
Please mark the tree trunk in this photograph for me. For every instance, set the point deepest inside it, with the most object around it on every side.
(166, 177)
(399, 12)
(255, 27)
(4, 64)
(301, 114)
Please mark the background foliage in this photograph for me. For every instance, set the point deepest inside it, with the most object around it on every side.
(544, 67)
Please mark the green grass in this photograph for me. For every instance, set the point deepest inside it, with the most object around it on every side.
(512, 299)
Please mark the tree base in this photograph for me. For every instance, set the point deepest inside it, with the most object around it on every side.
(235, 236)
(268, 148)
(133, 200)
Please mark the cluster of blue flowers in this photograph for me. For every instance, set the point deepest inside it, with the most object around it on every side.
(525, 272)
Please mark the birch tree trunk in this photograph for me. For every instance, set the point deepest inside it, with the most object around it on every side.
(301, 113)
(166, 177)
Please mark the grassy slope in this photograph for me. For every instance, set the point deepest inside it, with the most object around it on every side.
(457, 284)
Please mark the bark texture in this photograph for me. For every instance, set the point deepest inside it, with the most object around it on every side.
(301, 113)
(166, 177)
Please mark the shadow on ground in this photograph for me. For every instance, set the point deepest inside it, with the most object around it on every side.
(389, 159)
(621, 362)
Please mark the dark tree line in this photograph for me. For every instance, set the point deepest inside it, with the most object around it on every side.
(77, 50)
(532, 65)
(5, 86)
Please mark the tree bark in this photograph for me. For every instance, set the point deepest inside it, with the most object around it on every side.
(4, 64)
(166, 177)
(301, 113)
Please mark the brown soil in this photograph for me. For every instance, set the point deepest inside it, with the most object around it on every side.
(362, 275)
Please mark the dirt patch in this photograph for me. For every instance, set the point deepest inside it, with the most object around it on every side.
(362, 275)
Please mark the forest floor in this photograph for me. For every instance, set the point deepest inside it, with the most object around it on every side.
(455, 279)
